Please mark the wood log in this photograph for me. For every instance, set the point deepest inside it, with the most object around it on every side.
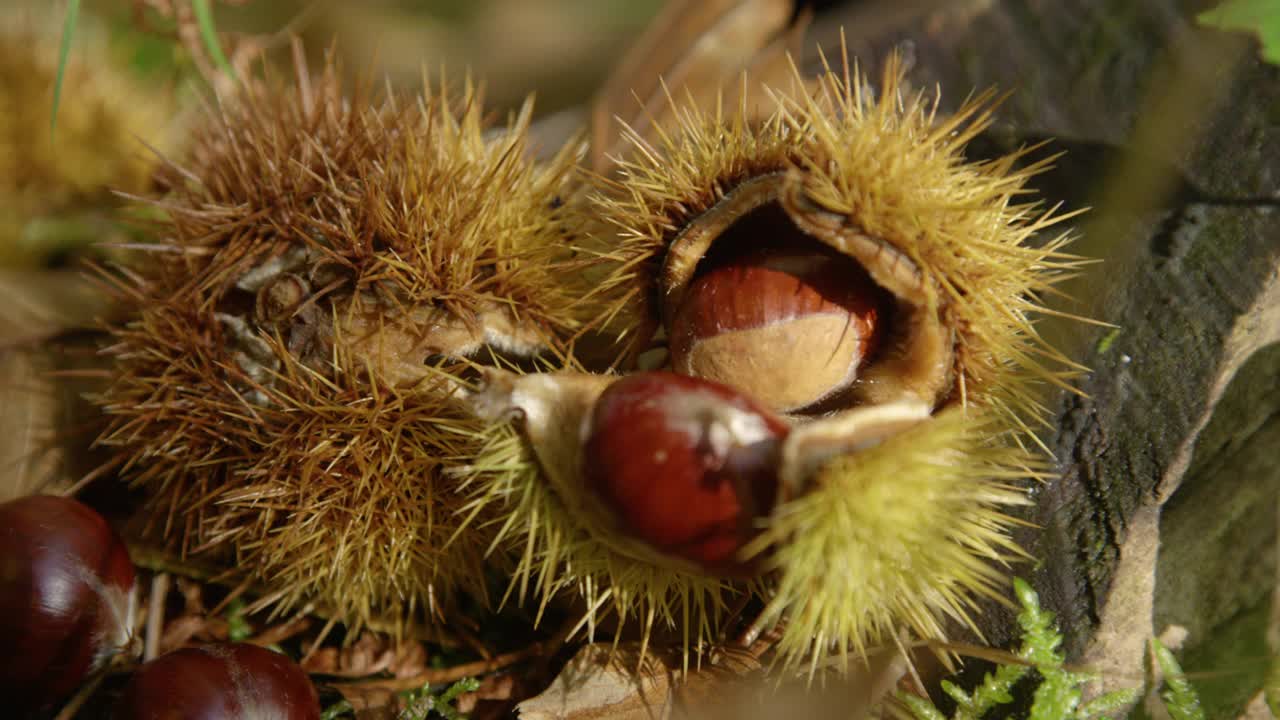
(1164, 508)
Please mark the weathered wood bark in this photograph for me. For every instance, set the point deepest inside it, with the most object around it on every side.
(1166, 508)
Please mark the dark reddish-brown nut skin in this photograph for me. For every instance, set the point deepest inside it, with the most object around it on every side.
(790, 327)
(225, 681)
(65, 587)
(687, 466)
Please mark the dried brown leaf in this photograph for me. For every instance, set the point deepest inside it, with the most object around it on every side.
(280, 632)
(410, 660)
(323, 661)
(606, 682)
(192, 596)
(38, 305)
(369, 655)
(182, 630)
(496, 687)
(602, 681)
(440, 676)
(28, 412)
(381, 701)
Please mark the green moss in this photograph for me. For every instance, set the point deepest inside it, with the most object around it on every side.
(1059, 691)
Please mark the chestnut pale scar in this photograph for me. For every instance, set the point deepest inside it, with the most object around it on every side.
(816, 313)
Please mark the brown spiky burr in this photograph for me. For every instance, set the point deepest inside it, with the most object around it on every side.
(328, 267)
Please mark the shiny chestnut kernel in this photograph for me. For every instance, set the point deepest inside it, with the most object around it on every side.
(67, 598)
(790, 327)
(219, 682)
(685, 465)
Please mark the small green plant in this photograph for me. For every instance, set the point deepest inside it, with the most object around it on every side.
(1261, 17)
(1059, 695)
(238, 627)
(418, 704)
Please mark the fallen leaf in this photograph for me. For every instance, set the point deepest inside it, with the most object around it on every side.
(410, 659)
(321, 662)
(192, 596)
(279, 632)
(494, 688)
(42, 304)
(369, 702)
(29, 414)
(179, 631)
(602, 681)
(606, 682)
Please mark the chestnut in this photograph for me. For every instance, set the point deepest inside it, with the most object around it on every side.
(67, 598)
(685, 465)
(792, 326)
(679, 472)
(219, 682)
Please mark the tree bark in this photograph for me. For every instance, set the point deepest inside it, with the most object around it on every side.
(1164, 511)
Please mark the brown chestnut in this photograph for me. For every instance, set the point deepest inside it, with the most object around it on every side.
(219, 682)
(685, 465)
(791, 327)
(67, 598)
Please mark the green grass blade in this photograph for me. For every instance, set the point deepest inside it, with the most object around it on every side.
(64, 53)
(209, 33)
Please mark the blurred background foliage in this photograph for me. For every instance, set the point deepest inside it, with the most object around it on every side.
(560, 49)
(136, 70)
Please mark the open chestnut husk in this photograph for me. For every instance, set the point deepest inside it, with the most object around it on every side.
(222, 681)
(878, 184)
(804, 319)
(68, 598)
(846, 265)
(673, 470)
